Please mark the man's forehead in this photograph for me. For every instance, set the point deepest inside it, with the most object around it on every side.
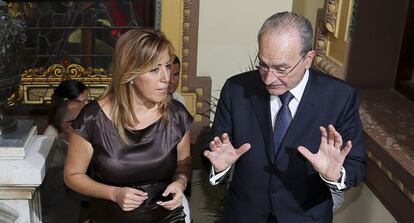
(279, 48)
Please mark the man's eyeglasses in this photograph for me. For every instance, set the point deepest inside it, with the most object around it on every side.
(277, 71)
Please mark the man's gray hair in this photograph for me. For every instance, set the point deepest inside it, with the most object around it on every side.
(282, 22)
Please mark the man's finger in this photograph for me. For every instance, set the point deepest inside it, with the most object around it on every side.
(338, 140)
(243, 149)
(346, 149)
(306, 153)
(331, 135)
(207, 154)
(225, 138)
(324, 135)
(212, 146)
(217, 141)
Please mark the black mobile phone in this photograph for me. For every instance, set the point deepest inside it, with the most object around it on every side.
(163, 199)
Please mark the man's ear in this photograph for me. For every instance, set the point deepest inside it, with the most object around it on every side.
(309, 58)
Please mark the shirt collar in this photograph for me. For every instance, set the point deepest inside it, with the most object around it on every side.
(300, 88)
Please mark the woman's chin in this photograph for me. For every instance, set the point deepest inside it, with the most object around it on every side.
(160, 98)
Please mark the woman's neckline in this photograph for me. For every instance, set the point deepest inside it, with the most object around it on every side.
(134, 130)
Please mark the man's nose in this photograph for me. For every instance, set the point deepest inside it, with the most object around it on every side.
(268, 78)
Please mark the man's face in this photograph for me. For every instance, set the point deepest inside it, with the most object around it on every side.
(283, 65)
(174, 78)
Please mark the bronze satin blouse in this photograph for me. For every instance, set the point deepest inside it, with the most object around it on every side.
(151, 159)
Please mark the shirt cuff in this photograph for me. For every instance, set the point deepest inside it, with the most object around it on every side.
(339, 184)
(215, 178)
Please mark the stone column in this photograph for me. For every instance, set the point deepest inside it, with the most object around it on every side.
(19, 182)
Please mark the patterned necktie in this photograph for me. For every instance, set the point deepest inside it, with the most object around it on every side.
(282, 121)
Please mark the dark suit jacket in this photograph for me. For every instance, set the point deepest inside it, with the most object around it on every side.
(285, 183)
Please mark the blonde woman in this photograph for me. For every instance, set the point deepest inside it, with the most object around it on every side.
(134, 137)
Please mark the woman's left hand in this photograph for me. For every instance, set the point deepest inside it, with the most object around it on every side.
(176, 190)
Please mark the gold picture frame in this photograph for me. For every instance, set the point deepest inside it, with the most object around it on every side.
(332, 36)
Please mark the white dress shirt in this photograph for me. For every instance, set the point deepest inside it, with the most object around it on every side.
(275, 105)
(177, 96)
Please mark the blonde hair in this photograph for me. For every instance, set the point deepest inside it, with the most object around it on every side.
(136, 52)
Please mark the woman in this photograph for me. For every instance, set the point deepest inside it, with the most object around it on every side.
(135, 138)
(72, 90)
(58, 203)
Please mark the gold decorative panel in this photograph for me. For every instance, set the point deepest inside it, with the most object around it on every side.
(332, 38)
(37, 84)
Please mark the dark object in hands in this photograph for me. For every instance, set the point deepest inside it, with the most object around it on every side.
(154, 191)
(163, 199)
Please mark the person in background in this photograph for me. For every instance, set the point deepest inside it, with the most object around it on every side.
(287, 130)
(135, 138)
(66, 90)
(172, 91)
(175, 80)
(59, 203)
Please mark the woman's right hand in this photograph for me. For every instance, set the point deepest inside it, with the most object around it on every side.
(129, 198)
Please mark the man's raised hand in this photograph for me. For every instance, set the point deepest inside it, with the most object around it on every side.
(222, 154)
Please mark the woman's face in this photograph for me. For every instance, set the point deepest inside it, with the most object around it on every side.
(152, 86)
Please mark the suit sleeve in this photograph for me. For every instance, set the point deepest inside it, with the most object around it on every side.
(350, 127)
(223, 115)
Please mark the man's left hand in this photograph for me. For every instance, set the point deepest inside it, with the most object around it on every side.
(329, 159)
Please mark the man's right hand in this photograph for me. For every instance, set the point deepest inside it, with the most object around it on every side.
(222, 154)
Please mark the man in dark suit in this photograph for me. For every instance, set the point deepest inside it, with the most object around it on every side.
(282, 127)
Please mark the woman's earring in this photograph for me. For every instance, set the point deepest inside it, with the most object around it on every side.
(131, 82)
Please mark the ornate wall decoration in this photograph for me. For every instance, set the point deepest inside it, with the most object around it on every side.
(197, 89)
(332, 36)
(37, 84)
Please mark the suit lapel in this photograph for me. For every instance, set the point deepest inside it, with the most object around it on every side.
(260, 101)
(304, 115)
(305, 112)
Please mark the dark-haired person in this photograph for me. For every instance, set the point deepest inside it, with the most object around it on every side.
(136, 139)
(66, 90)
(290, 132)
(175, 80)
(59, 203)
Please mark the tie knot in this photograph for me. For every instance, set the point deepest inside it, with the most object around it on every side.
(286, 97)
